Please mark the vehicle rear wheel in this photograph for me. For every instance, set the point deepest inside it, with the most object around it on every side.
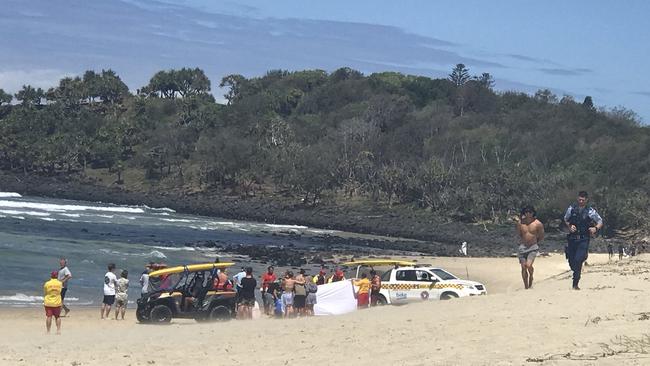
(160, 314)
(219, 313)
(448, 296)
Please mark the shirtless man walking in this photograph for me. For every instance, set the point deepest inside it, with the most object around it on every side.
(531, 233)
(288, 284)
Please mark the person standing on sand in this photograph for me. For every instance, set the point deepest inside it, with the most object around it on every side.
(375, 287)
(52, 301)
(110, 280)
(610, 251)
(364, 290)
(121, 296)
(247, 295)
(621, 252)
(267, 279)
(300, 294)
(288, 284)
(580, 220)
(531, 233)
(64, 276)
(144, 277)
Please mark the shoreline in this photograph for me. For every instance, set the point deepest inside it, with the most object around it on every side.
(428, 235)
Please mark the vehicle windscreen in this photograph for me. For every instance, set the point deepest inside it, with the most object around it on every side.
(166, 282)
(444, 275)
(385, 277)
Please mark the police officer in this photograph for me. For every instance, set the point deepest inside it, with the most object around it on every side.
(583, 222)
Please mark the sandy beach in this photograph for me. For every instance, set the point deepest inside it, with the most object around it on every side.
(606, 323)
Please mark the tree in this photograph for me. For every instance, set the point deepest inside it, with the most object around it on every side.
(235, 84)
(191, 81)
(29, 96)
(5, 97)
(459, 75)
(70, 92)
(111, 88)
(588, 103)
(163, 83)
(485, 80)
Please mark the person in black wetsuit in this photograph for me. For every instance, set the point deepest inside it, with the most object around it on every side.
(583, 222)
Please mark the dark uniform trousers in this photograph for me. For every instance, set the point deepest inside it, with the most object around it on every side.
(576, 253)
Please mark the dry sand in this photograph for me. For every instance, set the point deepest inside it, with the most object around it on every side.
(607, 323)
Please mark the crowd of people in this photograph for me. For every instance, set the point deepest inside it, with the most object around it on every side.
(290, 295)
(294, 295)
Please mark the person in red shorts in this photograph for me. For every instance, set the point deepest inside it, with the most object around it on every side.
(52, 301)
(364, 291)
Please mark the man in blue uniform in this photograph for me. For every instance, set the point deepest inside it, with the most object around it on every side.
(583, 222)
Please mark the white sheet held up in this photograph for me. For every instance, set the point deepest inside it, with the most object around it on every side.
(335, 298)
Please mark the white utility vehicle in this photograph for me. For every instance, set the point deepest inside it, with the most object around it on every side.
(409, 282)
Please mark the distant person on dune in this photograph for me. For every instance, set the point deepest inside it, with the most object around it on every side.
(621, 251)
(531, 233)
(64, 276)
(610, 251)
(583, 222)
(52, 301)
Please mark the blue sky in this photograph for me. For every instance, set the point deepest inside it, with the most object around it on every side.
(579, 48)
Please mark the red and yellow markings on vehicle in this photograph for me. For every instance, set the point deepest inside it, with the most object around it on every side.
(422, 286)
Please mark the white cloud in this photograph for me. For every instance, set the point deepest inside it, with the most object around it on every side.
(13, 80)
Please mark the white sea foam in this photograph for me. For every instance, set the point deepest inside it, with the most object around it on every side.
(164, 209)
(18, 217)
(59, 208)
(227, 223)
(9, 195)
(23, 298)
(286, 226)
(71, 215)
(174, 249)
(47, 219)
(28, 213)
(178, 220)
(153, 253)
(317, 231)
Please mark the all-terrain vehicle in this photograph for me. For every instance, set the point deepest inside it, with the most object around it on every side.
(190, 291)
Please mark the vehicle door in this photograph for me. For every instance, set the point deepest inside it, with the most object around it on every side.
(402, 289)
(427, 285)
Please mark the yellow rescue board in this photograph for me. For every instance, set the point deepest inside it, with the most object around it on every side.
(379, 262)
(190, 268)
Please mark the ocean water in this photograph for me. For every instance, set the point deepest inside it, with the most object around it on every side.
(35, 232)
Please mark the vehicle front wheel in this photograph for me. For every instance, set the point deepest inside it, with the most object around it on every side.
(448, 296)
(381, 300)
(140, 315)
(160, 314)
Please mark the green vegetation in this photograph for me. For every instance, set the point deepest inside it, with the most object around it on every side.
(453, 147)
